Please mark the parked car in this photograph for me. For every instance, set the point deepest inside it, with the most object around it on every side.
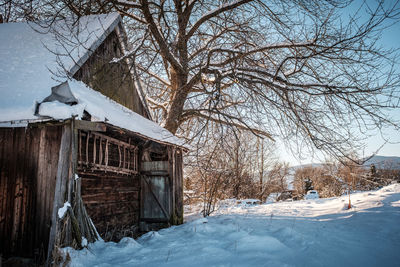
(285, 196)
(248, 202)
(311, 194)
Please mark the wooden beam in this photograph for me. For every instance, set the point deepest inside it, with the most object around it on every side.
(105, 168)
(62, 179)
(90, 126)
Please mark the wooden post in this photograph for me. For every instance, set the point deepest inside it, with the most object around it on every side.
(179, 185)
(123, 164)
(119, 153)
(129, 154)
(106, 156)
(136, 159)
(101, 151)
(78, 224)
(80, 220)
(171, 173)
(80, 146)
(94, 149)
(62, 180)
(87, 148)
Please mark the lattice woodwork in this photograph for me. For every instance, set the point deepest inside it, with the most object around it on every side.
(101, 152)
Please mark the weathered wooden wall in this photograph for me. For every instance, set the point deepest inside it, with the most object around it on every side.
(112, 202)
(111, 79)
(28, 168)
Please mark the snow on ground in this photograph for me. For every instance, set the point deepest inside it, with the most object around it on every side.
(317, 232)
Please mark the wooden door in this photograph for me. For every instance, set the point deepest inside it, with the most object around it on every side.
(155, 194)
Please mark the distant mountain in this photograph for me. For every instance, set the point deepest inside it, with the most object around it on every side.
(378, 161)
(314, 165)
(384, 162)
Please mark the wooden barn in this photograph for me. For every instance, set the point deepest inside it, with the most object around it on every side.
(80, 157)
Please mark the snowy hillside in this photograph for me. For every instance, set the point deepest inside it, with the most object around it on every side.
(379, 161)
(302, 233)
(383, 161)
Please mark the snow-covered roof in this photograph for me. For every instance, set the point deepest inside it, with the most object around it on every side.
(105, 109)
(34, 59)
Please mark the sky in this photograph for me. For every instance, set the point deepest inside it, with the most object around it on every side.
(375, 144)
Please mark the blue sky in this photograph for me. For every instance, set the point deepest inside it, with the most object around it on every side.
(390, 39)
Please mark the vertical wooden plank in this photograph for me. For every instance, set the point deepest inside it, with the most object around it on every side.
(142, 193)
(62, 179)
(53, 138)
(171, 159)
(17, 148)
(101, 151)
(123, 164)
(25, 192)
(129, 158)
(11, 189)
(129, 153)
(135, 159)
(80, 145)
(87, 148)
(3, 187)
(5, 176)
(40, 194)
(106, 152)
(179, 185)
(119, 154)
(74, 157)
(46, 182)
(94, 149)
(32, 183)
(19, 196)
(36, 238)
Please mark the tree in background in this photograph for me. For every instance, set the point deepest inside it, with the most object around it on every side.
(276, 179)
(326, 178)
(20, 10)
(304, 179)
(334, 178)
(231, 164)
(386, 173)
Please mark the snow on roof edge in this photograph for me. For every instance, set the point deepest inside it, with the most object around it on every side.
(106, 110)
(25, 123)
(147, 137)
(96, 44)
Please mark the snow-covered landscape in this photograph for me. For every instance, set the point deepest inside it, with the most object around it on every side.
(320, 232)
(199, 133)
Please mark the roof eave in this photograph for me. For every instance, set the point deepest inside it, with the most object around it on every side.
(94, 46)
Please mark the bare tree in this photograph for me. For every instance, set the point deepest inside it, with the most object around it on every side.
(19, 10)
(227, 165)
(300, 70)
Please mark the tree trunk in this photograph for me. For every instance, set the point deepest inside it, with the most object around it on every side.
(180, 92)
